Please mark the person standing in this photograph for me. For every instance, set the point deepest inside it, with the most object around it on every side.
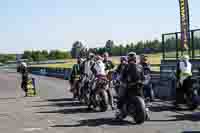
(24, 72)
(184, 74)
(75, 77)
(144, 62)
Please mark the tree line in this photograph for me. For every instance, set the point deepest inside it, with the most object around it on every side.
(44, 55)
(117, 50)
(4, 58)
(141, 47)
(78, 49)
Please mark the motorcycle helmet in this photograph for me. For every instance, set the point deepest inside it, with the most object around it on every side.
(23, 64)
(132, 56)
(123, 58)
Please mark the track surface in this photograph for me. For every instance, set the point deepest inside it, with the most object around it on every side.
(53, 111)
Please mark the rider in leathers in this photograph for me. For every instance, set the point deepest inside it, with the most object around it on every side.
(133, 73)
(87, 65)
(122, 65)
(99, 70)
(118, 72)
(108, 63)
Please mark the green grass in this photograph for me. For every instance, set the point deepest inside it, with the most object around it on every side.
(64, 65)
(69, 64)
(153, 58)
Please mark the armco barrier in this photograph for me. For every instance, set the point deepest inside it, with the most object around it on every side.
(167, 81)
(63, 73)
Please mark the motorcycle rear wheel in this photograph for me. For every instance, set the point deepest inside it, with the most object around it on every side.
(139, 114)
(104, 102)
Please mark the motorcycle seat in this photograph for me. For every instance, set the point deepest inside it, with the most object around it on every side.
(101, 77)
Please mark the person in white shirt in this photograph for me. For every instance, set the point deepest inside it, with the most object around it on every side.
(99, 70)
(99, 67)
(87, 64)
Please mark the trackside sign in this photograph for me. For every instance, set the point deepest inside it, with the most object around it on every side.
(184, 15)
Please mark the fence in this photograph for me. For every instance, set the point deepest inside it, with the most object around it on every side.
(171, 45)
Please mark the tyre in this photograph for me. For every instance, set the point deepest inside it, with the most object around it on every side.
(104, 102)
(138, 110)
(193, 103)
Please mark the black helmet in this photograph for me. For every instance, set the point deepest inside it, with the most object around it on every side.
(132, 56)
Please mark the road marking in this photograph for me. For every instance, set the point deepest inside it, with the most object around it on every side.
(32, 129)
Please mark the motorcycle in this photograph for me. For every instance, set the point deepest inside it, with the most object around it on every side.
(100, 95)
(85, 90)
(191, 98)
(134, 104)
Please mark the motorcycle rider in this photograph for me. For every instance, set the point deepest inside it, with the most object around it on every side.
(118, 72)
(87, 74)
(24, 72)
(123, 63)
(87, 65)
(108, 63)
(99, 71)
(75, 76)
(132, 73)
(184, 73)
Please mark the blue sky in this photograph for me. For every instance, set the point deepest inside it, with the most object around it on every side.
(56, 24)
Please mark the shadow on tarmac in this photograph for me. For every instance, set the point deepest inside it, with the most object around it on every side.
(182, 117)
(69, 111)
(60, 100)
(191, 132)
(98, 122)
(65, 104)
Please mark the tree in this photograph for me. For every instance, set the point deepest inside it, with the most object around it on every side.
(45, 54)
(76, 48)
(4, 58)
(27, 55)
(68, 55)
(52, 55)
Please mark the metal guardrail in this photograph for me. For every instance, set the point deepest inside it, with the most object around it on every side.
(63, 73)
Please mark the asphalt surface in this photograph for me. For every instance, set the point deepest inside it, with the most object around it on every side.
(53, 111)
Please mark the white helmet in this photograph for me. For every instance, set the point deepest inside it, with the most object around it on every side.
(91, 55)
(24, 64)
